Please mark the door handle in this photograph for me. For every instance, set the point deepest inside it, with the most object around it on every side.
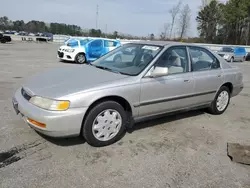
(219, 76)
(186, 80)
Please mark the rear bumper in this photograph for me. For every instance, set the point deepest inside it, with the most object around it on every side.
(237, 89)
(58, 124)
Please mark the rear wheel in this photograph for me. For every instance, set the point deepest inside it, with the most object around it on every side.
(221, 101)
(80, 58)
(104, 124)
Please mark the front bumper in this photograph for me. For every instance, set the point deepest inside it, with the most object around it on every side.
(65, 56)
(227, 58)
(58, 123)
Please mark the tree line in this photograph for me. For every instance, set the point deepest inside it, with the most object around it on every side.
(35, 26)
(218, 23)
(226, 23)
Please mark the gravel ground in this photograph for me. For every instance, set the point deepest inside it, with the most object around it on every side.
(187, 150)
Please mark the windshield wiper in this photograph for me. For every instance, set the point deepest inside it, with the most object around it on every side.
(109, 69)
(106, 68)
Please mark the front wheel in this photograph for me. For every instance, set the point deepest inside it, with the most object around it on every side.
(221, 101)
(104, 124)
(3, 40)
(80, 58)
(231, 60)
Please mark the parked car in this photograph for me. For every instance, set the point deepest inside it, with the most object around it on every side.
(232, 54)
(101, 100)
(4, 38)
(248, 56)
(86, 50)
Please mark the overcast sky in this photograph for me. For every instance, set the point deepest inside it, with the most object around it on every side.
(137, 17)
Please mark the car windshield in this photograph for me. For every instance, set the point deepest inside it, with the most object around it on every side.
(129, 59)
(226, 49)
(72, 43)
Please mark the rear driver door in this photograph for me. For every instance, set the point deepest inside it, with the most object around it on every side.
(207, 73)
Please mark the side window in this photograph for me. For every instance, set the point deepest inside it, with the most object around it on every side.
(175, 59)
(96, 43)
(108, 43)
(83, 42)
(202, 59)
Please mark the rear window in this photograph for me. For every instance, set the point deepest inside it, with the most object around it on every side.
(108, 43)
(226, 49)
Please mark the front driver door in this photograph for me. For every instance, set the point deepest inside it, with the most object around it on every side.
(95, 49)
(171, 92)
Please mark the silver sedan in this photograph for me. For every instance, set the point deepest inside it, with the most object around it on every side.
(138, 80)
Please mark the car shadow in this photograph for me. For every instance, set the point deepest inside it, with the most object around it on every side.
(72, 141)
(68, 62)
(165, 118)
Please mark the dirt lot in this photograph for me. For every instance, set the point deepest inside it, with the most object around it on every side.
(186, 150)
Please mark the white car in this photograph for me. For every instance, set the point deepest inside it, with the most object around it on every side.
(86, 50)
(72, 48)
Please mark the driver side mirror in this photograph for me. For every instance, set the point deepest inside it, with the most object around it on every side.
(158, 71)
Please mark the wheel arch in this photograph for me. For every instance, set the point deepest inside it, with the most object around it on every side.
(80, 52)
(229, 85)
(122, 101)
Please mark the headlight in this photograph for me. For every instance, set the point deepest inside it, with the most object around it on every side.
(49, 104)
(70, 50)
(226, 56)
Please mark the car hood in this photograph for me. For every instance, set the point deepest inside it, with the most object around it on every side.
(65, 47)
(64, 81)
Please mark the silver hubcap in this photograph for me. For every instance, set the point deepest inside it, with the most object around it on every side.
(106, 125)
(81, 58)
(222, 100)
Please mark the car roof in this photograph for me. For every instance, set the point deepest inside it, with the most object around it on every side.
(164, 43)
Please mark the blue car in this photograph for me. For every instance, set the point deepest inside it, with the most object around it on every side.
(86, 49)
(232, 54)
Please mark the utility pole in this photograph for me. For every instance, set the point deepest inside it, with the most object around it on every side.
(97, 12)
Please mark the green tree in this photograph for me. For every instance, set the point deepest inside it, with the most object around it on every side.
(4, 23)
(19, 25)
(235, 17)
(152, 36)
(115, 34)
(209, 18)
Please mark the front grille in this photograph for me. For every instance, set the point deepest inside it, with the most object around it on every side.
(221, 55)
(25, 94)
(60, 54)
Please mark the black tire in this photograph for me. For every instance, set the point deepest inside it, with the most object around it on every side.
(77, 58)
(92, 115)
(213, 109)
(231, 60)
(3, 40)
